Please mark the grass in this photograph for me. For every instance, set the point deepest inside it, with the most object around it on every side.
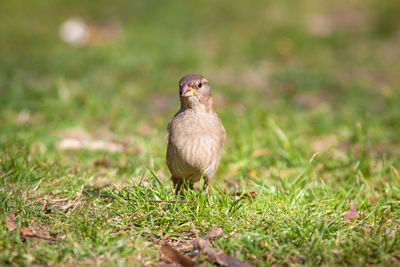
(311, 115)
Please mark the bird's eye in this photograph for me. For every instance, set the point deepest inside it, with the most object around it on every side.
(200, 85)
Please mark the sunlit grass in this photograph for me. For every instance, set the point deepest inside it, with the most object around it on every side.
(312, 124)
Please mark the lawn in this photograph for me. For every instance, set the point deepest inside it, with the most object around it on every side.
(308, 92)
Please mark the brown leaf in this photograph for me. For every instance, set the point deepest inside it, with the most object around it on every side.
(194, 230)
(176, 256)
(218, 256)
(105, 162)
(352, 212)
(214, 232)
(27, 233)
(10, 222)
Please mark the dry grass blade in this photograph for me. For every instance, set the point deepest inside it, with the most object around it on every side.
(176, 256)
(396, 173)
(217, 256)
(10, 222)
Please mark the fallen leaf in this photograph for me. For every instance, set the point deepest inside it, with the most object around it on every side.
(218, 256)
(27, 233)
(214, 232)
(10, 222)
(176, 256)
(352, 212)
(105, 162)
(194, 231)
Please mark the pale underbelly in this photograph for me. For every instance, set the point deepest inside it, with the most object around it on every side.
(191, 161)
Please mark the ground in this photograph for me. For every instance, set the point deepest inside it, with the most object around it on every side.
(308, 92)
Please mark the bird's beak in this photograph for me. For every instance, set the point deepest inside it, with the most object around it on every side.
(188, 91)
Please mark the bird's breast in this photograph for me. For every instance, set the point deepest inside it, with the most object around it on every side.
(194, 141)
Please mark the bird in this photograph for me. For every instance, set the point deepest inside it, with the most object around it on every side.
(195, 135)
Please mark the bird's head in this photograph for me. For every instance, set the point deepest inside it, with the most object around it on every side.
(195, 92)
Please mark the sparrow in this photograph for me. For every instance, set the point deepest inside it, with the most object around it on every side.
(195, 135)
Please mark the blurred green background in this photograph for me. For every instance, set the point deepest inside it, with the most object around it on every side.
(312, 68)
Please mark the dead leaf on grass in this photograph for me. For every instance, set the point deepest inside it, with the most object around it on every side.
(105, 162)
(352, 212)
(218, 256)
(215, 231)
(27, 233)
(176, 256)
(194, 230)
(10, 222)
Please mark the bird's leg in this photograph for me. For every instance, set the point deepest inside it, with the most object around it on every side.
(205, 185)
(181, 185)
(177, 184)
(187, 184)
